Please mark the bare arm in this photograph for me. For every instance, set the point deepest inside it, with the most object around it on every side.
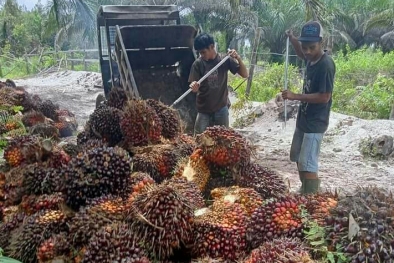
(296, 44)
(309, 98)
(243, 71)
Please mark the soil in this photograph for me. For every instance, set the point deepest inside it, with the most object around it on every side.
(342, 166)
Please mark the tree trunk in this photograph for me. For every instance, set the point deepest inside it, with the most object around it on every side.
(392, 113)
(253, 60)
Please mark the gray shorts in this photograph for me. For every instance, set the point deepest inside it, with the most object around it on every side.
(305, 150)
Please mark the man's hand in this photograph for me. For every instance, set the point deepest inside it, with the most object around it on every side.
(194, 86)
(289, 33)
(233, 53)
(288, 95)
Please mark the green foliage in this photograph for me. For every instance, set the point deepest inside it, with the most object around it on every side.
(269, 82)
(364, 84)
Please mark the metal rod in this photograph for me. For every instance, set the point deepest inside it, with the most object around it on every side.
(201, 80)
(286, 74)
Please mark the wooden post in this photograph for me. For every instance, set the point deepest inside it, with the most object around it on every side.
(84, 58)
(253, 60)
(1, 72)
(72, 60)
(27, 65)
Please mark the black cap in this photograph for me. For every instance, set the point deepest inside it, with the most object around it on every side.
(311, 32)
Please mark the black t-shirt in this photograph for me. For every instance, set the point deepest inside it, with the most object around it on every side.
(213, 93)
(319, 78)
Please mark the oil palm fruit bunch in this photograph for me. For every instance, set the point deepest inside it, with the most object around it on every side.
(97, 213)
(279, 217)
(96, 172)
(33, 118)
(104, 123)
(139, 182)
(32, 204)
(64, 113)
(9, 224)
(34, 231)
(194, 169)
(71, 149)
(266, 182)
(8, 98)
(48, 108)
(55, 247)
(159, 161)
(188, 190)
(57, 158)
(169, 117)
(22, 149)
(140, 124)
(319, 205)
(372, 209)
(162, 219)
(115, 243)
(289, 250)
(224, 147)
(27, 101)
(13, 188)
(65, 129)
(45, 130)
(219, 178)
(248, 198)
(117, 98)
(38, 180)
(219, 231)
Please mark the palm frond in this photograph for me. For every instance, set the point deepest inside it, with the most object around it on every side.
(382, 19)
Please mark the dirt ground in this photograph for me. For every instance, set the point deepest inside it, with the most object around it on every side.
(342, 166)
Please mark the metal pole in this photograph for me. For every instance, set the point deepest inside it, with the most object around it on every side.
(201, 80)
(286, 74)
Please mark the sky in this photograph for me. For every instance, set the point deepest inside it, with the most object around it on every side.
(30, 3)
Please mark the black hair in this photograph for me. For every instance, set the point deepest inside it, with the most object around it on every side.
(203, 41)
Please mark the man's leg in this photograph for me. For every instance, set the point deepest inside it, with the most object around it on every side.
(202, 122)
(308, 162)
(295, 151)
(221, 117)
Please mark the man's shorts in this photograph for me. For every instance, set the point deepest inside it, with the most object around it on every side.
(305, 150)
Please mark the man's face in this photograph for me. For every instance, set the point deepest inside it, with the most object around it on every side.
(311, 50)
(207, 53)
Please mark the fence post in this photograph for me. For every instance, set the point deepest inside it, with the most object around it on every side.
(84, 58)
(253, 60)
(72, 60)
(27, 65)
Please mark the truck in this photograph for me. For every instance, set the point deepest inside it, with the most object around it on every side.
(145, 50)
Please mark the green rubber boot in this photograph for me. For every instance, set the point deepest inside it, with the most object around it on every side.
(310, 186)
(302, 185)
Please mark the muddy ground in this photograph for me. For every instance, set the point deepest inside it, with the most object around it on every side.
(341, 164)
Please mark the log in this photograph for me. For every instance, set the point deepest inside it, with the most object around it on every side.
(382, 145)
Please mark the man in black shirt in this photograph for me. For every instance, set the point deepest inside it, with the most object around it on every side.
(314, 112)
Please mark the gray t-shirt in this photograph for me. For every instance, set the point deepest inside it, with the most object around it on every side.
(319, 78)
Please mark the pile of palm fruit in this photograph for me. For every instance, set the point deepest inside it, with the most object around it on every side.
(23, 113)
(134, 188)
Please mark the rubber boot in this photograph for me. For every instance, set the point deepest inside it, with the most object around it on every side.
(302, 185)
(311, 186)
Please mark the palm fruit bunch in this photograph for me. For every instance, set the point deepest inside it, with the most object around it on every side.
(57, 158)
(32, 204)
(65, 129)
(2, 194)
(64, 113)
(319, 205)
(162, 219)
(22, 149)
(219, 231)
(140, 124)
(48, 108)
(224, 147)
(71, 149)
(13, 188)
(139, 182)
(33, 118)
(56, 247)
(115, 243)
(96, 172)
(45, 130)
(27, 101)
(99, 212)
(248, 198)
(38, 180)
(117, 98)
(290, 250)
(104, 124)
(8, 98)
(187, 189)
(194, 169)
(169, 117)
(279, 217)
(266, 182)
(34, 231)
(159, 161)
(9, 224)
(219, 178)
(372, 209)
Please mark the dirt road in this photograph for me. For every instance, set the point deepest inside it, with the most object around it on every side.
(341, 164)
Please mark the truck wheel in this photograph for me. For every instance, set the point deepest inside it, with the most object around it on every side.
(99, 100)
